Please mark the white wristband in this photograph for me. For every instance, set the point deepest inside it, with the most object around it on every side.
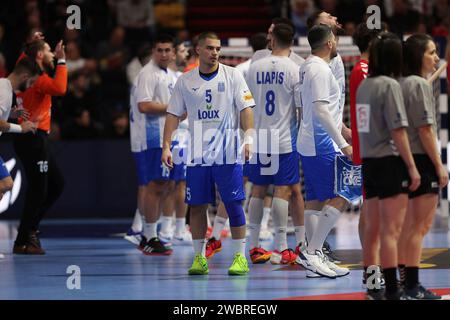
(14, 128)
(61, 61)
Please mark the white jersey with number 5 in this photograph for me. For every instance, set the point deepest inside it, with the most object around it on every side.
(273, 81)
(213, 105)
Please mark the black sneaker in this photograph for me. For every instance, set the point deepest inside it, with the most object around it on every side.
(398, 295)
(375, 294)
(326, 249)
(143, 242)
(420, 293)
(154, 247)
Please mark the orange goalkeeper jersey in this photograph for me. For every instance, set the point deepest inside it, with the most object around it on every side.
(37, 99)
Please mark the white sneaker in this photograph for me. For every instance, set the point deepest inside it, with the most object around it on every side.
(265, 235)
(310, 274)
(182, 239)
(133, 236)
(340, 272)
(166, 236)
(316, 263)
(2, 256)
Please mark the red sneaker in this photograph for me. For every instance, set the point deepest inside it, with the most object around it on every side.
(287, 256)
(260, 255)
(212, 247)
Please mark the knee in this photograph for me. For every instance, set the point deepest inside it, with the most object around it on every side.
(156, 188)
(258, 192)
(6, 184)
(235, 213)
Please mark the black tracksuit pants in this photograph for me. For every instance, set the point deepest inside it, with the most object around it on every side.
(45, 181)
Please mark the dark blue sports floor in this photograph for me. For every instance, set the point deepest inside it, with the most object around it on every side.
(111, 268)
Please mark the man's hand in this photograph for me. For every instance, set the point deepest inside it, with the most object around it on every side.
(442, 174)
(348, 152)
(38, 36)
(415, 178)
(347, 134)
(248, 151)
(59, 51)
(19, 112)
(28, 126)
(166, 158)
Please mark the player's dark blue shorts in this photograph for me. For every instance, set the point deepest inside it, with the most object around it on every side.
(201, 182)
(157, 171)
(4, 173)
(285, 173)
(319, 177)
(141, 167)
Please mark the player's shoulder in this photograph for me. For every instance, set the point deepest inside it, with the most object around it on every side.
(5, 84)
(295, 58)
(259, 54)
(316, 64)
(414, 81)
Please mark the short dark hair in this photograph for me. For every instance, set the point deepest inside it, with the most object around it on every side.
(27, 65)
(386, 56)
(144, 51)
(363, 36)
(318, 35)
(258, 41)
(283, 34)
(279, 20)
(163, 38)
(312, 19)
(207, 35)
(413, 50)
(34, 47)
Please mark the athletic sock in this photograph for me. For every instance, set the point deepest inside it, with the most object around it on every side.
(238, 246)
(136, 226)
(166, 224)
(311, 218)
(412, 277)
(299, 234)
(150, 230)
(280, 209)
(199, 246)
(180, 225)
(219, 224)
(327, 220)
(265, 218)
(254, 230)
(390, 275)
(255, 208)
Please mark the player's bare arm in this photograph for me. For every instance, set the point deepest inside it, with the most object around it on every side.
(153, 108)
(171, 125)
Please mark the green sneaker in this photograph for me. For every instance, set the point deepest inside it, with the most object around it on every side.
(239, 267)
(199, 266)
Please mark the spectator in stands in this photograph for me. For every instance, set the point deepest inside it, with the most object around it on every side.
(79, 95)
(135, 65)
(120, 128)
(301, 10)
(81, 127)
(137, 18)
(114, 53)
(192, 60)
(404, 18)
